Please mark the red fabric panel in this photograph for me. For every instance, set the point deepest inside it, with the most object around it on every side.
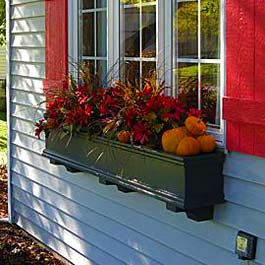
(244, 104)
(56, 25)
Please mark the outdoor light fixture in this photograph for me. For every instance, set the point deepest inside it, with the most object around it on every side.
(246, 246)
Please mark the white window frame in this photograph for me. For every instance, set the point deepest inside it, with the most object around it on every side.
(164, 38)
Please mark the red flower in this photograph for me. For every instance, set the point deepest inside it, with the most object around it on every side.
(40, 126)
(130, 116)
(141, 133)
(194, 112)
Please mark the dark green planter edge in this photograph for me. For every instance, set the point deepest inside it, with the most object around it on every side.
(196, 194)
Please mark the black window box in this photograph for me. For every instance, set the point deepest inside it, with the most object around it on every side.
(191, 184)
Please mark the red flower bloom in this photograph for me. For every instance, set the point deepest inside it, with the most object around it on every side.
(141, 133)
(40, 126)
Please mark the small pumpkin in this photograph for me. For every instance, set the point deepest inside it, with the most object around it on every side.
(124, 136)
(171, 138)
(207, 143)
(188, 146)
(195, 125)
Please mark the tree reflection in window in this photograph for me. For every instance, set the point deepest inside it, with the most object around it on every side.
(197, 55)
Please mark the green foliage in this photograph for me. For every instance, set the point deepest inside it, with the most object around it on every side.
(2, 22)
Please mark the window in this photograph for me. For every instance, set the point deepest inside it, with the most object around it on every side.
(197, 55)
(181, 39)
(94, 34)
(138, 37)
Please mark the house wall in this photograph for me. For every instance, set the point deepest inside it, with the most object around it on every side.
(89, 223)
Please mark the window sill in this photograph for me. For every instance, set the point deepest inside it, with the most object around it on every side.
(187, 184)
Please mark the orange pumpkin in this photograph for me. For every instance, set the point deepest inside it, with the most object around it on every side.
(207, 143)
(188, 146)
(171, 139)
(123, 136)
(195, 125)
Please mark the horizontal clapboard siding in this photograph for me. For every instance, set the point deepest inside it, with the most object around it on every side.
(89, 223)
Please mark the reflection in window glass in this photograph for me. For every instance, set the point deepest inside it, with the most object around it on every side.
(197, 55)
(101, 34)
(148, 69)
(131, 32)
(94, 35)
(149, 31)
(102, 70)
(88, 4)
(210, 29)
(210, 92)
(101, 3)
(138, 37)
(187, 78)
(187, 29)
(131, 72)
(88, 34)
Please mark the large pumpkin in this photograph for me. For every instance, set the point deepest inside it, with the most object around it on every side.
(188, 146)
(195, 125)
(207, 143)
(171, 139)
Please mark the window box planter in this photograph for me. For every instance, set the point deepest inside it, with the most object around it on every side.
(190, 184)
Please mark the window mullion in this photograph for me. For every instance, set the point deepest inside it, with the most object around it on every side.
(95, 36)
(166, 52)
(199, 54)
(113, 38)
(160, 39)
(73, 36)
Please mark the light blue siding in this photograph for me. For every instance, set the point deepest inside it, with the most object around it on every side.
(89, 223)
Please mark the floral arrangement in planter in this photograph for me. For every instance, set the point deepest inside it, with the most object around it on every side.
(118, 133)
(140, 115)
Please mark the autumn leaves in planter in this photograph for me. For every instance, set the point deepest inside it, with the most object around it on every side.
(139, 114)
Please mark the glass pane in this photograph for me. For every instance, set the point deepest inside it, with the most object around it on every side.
(88, 34)
(149, 31)
(131, 72)
(102, 71)
(148, 69)
(131, 33)
(101, 34)
(186, 23)
(210, 92)
(210, 29)
(136, 1)
(88, 4)
(187, 80)
(91, 65)
(101, 3)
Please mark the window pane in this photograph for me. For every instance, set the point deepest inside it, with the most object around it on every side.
(149, 31)
(88, 34)
(131, 72)
(88, 4)
(136, 1)
(102, 70)
(210, 92)
(101, 3)
(210, 29)
(186, 24)
(131, 32)
(148, 69)
(187, 80)
(101, 34)
(91, 65)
